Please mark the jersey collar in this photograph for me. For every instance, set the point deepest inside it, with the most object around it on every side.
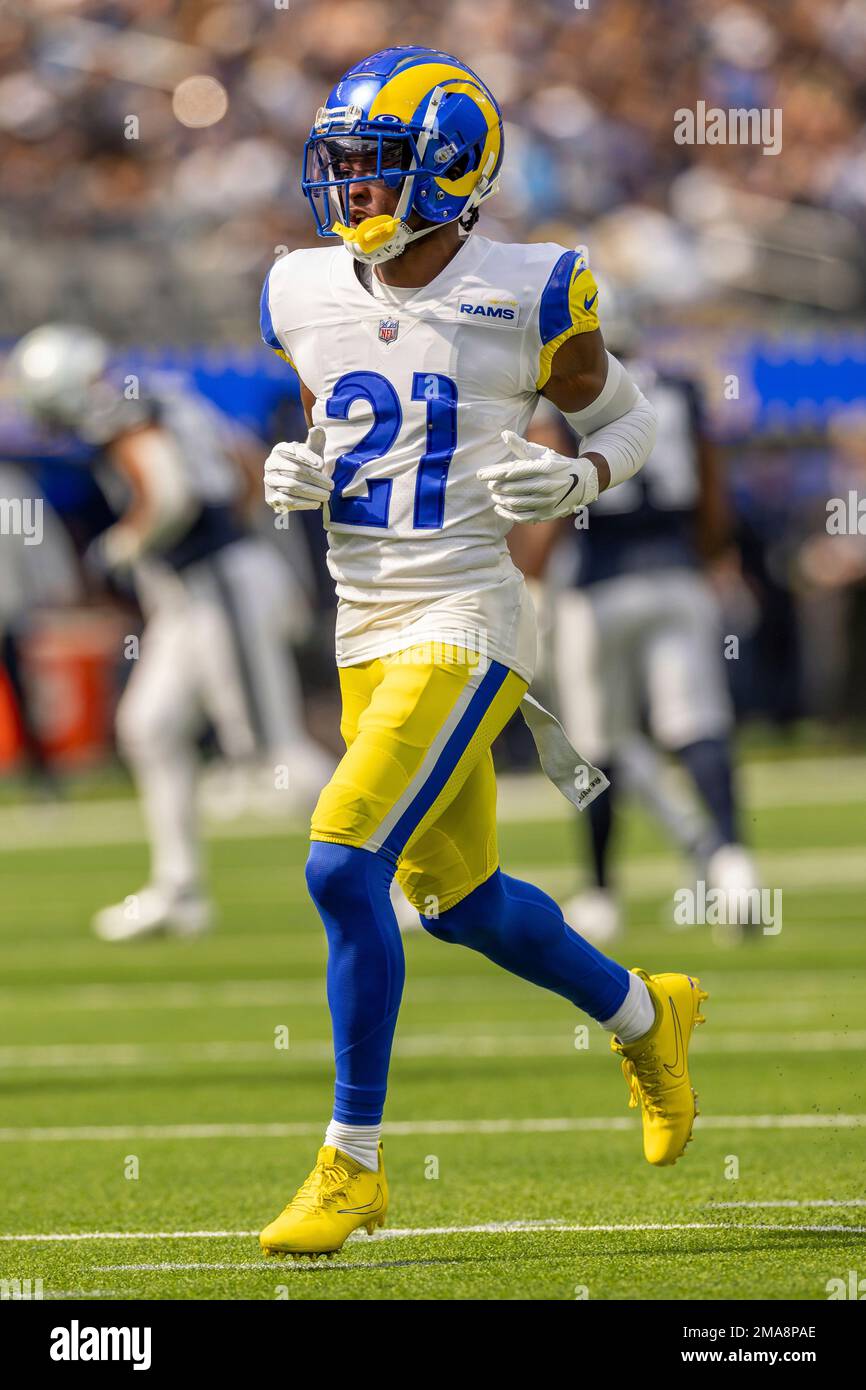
(428, 300)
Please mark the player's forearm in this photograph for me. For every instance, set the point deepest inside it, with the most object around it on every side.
(602, 468)
(144, 530)
(532, 546)
(308, 400)
(617, 430)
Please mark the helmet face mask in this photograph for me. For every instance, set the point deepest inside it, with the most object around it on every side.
(333, 163)
(413, 120)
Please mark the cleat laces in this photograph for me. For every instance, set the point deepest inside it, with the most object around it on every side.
(326, 1182)
(646, 1085)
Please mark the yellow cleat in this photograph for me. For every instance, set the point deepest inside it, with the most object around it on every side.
(656, 1067)
(337, 1198)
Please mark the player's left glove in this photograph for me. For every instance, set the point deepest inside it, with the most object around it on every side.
(538, 484)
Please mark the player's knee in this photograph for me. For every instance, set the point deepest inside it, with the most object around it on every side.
(442, 928)
(142, 732)
(329, 875)
(473, 920)
(343, 880)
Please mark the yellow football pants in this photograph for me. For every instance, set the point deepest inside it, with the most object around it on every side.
(416, 783)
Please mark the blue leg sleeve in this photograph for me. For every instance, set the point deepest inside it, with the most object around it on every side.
(366, 969)
(522, 929)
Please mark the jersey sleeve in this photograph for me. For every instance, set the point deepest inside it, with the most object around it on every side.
(568, 305)
(269, 333)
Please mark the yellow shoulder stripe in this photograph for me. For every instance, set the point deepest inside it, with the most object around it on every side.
(569, 305)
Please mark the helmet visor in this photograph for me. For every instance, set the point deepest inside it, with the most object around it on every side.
(332, 163)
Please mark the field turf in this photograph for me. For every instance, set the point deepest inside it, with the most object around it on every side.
(151, 1123)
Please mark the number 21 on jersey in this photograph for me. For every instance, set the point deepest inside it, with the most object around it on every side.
(440, 394)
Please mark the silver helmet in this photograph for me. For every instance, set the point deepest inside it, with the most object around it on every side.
(618, 311)
(58, 374)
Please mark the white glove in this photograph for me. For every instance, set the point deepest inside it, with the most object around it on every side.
(295, 477)
(537, 484)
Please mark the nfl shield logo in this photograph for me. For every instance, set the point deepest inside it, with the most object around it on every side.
(388, 330)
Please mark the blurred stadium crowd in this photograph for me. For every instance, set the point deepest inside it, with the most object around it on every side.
(161, 231)
(155, 222)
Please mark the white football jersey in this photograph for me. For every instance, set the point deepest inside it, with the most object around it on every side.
(414, 395)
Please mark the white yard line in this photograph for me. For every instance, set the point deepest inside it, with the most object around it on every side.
(177, 995)
(830, 870)
(831, 781)
(63, 1134)
(130, 1235)
(271, 1267)
(794, 1202)
(834, 780)
(827, 870)
(236, 994)
(816, 1041)
(146, 1056)
(84, 824)
(407, 1233)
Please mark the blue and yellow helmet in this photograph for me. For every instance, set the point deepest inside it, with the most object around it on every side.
(423, 123)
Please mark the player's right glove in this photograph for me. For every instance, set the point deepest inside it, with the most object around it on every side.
(295, 477)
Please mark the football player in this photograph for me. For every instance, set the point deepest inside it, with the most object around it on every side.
(34, 578)
(641, 634)
(215, 597)
(422, 348)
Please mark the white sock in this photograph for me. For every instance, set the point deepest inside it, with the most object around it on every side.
(635, 1015)
(360, 1142)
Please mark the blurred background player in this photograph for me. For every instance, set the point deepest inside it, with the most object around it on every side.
(217, 602)
(637, 636)
(39, 572)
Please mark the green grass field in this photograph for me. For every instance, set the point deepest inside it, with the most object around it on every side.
(515, 1165)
